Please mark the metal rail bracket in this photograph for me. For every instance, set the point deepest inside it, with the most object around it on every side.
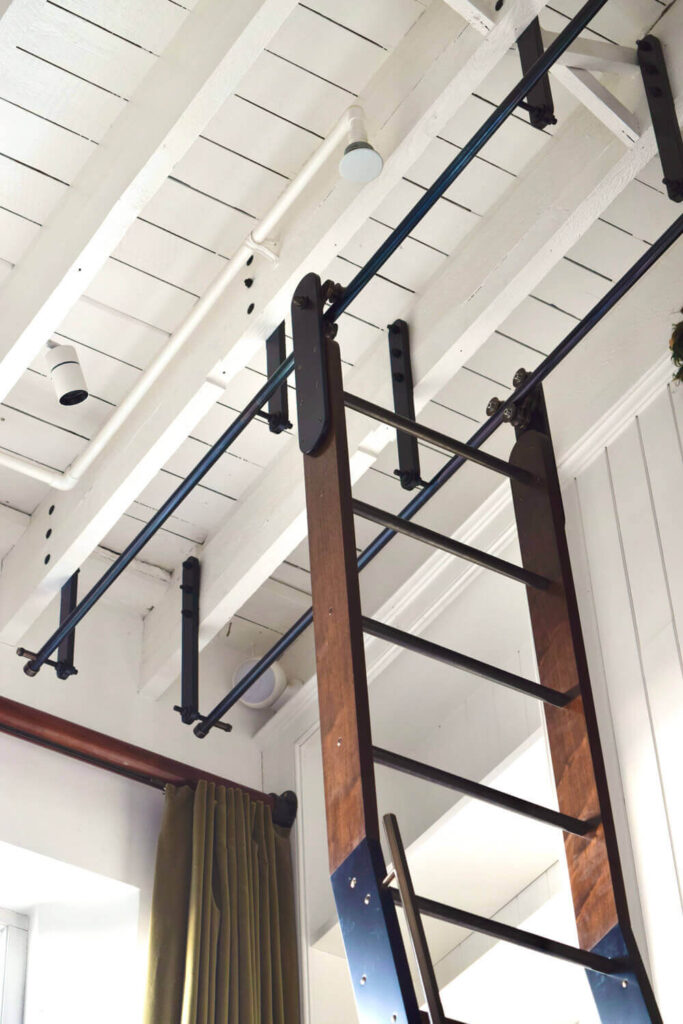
(188, 709)
(663, 113)
(408, 470)
(64, 665)
(539, 100)
(278, 405)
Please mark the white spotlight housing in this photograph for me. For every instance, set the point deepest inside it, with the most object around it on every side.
(66, 374)
(361, 162)
(267, 689)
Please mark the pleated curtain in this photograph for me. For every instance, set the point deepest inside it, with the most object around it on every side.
(222, 938)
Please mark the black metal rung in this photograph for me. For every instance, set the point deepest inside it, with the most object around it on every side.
(518, 936)
(449, 444)
(477, 668)
(453, 547)
(484, 793)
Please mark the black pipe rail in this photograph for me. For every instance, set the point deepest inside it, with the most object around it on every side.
(252, 409)
(596, 314)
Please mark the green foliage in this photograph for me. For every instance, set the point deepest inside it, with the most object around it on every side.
(676, 346)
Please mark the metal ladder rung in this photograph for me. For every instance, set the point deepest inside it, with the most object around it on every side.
(484, 793)
(449, 444)
(517, 936)
(478, 668)
(453, 547)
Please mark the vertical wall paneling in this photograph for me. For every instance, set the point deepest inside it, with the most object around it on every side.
(623, 510)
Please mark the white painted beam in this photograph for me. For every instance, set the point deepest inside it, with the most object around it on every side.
(572, 181)
(420, 86)
(204, 63)
(591, 54)
(575, 70)
(601, 102)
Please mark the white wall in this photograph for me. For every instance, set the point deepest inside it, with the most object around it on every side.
(83, 816)
(623, 519)
(104, 695)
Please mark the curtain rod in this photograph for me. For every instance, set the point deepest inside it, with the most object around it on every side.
(106, 752)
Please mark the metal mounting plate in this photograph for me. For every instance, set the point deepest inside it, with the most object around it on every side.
(663, 113)
(374, 949)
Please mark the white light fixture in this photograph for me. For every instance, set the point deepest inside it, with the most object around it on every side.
(66, 374)
(361, 162)
(267, 689)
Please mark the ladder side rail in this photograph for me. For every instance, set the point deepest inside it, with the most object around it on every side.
(596, 879)
(377, 960)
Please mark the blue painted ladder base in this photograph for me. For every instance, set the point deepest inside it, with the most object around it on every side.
(374, 948)
(619, 1000)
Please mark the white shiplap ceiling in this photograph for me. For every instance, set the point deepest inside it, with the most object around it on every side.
(64, 82)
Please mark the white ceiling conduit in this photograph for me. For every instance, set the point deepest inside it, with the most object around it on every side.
(359, 163)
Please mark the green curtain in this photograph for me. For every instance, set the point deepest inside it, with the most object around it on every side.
(222, 939)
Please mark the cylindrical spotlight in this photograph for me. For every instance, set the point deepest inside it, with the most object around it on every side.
(66, 374)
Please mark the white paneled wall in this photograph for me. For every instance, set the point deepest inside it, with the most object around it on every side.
(623, 518)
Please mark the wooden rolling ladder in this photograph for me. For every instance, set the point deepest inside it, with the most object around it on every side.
(365, 896)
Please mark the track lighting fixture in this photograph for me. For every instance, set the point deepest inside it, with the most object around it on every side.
(66, 374)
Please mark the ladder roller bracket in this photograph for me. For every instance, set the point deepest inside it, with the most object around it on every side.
(312, 395)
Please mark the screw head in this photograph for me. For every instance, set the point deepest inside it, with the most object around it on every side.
(301, 301)
(519, 377)
(367, 899)
(363, 979)
(493, 406)
(353, 883)
(624, 983)
(339, 741)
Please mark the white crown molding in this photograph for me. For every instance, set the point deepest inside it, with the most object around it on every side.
(442, 579)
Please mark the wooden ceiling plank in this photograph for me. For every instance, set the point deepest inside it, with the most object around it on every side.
(183, 90)
(505, 258)
(27, 192)
(417, 89)
(41, 144)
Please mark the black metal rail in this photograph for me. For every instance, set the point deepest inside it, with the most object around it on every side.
(359, 282)
(560, 352)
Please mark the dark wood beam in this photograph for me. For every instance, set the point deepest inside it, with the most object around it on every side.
(350, 796)
(579, 771)
(104, 751)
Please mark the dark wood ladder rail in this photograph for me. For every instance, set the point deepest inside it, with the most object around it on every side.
(365, 896)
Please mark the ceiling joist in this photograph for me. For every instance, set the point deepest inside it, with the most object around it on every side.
(415, 92)
(184, 89)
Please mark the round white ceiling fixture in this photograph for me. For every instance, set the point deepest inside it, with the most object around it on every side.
(360, 163)
(66, 374)
(269, 686)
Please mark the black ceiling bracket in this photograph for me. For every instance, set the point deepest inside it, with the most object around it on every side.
(539, 100)
(278, 405)
(64, 665)
(408, 470)
(310, 332)
(663, 113)
(189, 659)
